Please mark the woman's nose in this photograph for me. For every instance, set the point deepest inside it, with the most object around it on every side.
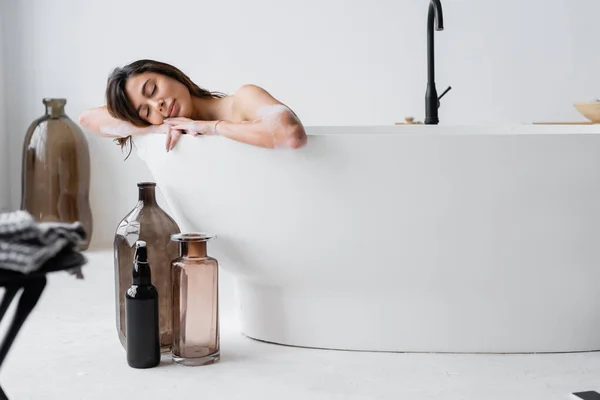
(160, 105)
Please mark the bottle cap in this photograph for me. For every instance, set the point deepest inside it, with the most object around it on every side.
(141, 252)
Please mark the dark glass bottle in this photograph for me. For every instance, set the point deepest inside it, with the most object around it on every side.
(141, 314)
(55, 175)
(150, 223)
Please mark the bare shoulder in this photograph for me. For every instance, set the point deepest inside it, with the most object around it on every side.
(250, 93)
(250, 100)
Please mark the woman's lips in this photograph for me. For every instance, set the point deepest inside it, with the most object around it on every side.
(173, 109)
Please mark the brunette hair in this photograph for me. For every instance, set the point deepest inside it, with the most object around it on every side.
(118, 104)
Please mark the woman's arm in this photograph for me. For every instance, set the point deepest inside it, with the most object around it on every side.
(266, 122)
(99, 121)
(264, 134)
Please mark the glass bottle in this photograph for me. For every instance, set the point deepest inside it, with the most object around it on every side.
(196, 335)
(150, 223)
(55, 174)
(141, 311)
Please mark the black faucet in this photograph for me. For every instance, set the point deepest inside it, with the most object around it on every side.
(432, 101)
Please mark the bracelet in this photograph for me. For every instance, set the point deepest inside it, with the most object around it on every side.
(215, 127)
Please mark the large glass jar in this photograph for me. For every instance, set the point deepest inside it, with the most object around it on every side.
(150, 223)
(55, 175)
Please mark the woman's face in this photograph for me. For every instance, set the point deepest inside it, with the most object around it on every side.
(156, 97)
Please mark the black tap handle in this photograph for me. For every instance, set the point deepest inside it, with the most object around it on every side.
(444, 92)
(442, 95)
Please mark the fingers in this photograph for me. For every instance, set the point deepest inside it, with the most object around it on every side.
(168, 140)
(183, 127)
(188, 128)
(175, 135)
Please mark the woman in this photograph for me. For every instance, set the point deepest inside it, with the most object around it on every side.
(149, 96)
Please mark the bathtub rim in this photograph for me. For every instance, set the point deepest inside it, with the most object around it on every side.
(484, 129)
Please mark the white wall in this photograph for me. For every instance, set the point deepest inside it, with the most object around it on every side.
(336, 62)
(4, 162)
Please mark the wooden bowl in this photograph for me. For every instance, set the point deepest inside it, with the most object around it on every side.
(590, 110)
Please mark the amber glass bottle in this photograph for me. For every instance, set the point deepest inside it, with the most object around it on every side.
(150, 223)
(55, 174)
(196, 336)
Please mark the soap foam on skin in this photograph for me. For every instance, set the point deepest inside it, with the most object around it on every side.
(124, 130)
(272, 116)
(121, 130)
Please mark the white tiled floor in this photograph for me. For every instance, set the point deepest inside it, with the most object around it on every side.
(68, 349)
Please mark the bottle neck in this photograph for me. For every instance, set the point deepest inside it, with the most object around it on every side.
(147, 195)
(55, 108)
(142, 276)
(192, 249)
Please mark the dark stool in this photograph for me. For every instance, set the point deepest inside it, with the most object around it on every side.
(33, 285)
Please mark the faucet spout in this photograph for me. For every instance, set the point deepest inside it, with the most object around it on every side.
(435, 9)
(435, 17)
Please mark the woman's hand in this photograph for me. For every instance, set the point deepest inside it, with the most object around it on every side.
(165, 129)
(192, 127)
(180, 124)
(161, 129)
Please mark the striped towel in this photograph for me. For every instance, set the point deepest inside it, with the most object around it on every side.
(26, 245)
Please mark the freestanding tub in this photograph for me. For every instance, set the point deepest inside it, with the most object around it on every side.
(402, 238)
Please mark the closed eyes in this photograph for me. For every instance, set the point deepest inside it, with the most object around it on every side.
(145, 88)
(144, 111)
(153, 91)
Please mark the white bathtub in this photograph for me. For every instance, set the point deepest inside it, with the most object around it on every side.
(402, 238)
